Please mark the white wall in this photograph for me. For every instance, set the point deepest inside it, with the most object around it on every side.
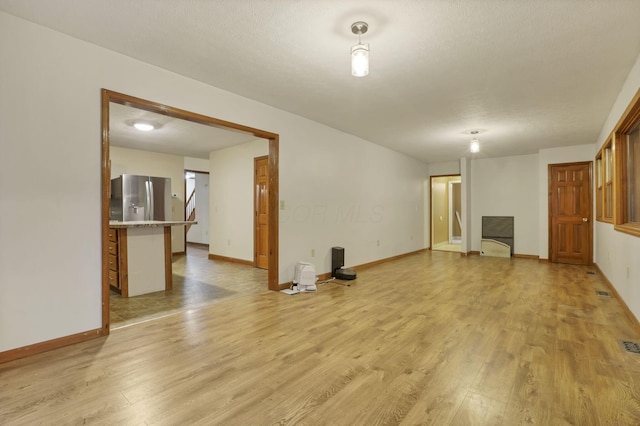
(137, 162)
(196, 164)
(510, 186)
(444, 169)
(506, 186)
(569, 154)
(616, 253)
(367, 193)
(50, 199)
(342, 191)
(231, 199)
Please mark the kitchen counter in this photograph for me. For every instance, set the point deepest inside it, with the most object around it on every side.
(140, 256)
(149, 223)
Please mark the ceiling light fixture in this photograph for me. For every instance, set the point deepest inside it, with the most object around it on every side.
(144, 126)
(359, 52)
(474, 147)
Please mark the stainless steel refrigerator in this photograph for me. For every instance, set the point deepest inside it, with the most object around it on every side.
(136, 198)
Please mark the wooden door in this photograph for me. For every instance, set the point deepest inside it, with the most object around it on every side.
(261, 212)
(570, 216)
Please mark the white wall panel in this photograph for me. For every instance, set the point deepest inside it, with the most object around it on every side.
(339, 190)
(231, 199)
(506, 186)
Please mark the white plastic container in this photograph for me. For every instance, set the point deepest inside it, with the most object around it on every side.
(305, 277)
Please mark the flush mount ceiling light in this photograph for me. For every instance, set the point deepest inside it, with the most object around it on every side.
(474, 146)
(359, 52)
(144, 126)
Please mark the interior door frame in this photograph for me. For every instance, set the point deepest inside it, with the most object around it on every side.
(452, 213)
(184, 209)
(431, 178)
(108, 96)
(590, 203)
(256, 209)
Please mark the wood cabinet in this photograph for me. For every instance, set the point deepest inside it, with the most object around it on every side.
(118, 268)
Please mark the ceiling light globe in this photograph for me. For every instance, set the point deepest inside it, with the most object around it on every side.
(475, 146)
(360, 60)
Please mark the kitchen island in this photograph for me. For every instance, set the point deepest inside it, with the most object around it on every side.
(140, 256)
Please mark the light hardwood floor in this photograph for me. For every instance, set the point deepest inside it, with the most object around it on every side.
(433, 338)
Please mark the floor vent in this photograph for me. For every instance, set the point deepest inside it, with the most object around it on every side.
(591, 272)
(603, 293)
(629, 346)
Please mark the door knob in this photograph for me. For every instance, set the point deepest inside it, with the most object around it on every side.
(585, 219)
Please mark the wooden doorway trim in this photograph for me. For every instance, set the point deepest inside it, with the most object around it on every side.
(261, 212)
(186, 196)
(108, 96)
(573, 230)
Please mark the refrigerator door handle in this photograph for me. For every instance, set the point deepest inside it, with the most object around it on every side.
(147, 201)
(152, 213)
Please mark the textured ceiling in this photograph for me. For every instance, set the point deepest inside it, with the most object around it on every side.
(173, 135)
(533, 74)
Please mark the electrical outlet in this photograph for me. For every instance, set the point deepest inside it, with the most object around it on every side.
(281, 204)
(378, 243)
(313, 252)
(228, 242)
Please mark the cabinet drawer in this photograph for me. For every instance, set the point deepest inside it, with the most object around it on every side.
(113, 262)
(113, 248)
(114, 279)
(113, 235)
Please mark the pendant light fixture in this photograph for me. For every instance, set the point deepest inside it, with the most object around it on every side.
(359, 52)
(474, 147)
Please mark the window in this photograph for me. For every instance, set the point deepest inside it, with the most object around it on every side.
(604, 183)
(599, 188)
(608, 183)
(633, 175)
(627, 176)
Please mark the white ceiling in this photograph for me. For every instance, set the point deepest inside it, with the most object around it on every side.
(533, 74)
(172, 136)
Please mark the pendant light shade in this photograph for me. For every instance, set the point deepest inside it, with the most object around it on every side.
(474, 146)
(360, 60)
(359, 52)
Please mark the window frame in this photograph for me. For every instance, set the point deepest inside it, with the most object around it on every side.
(605, 182)
(599, 187)
(627, 123)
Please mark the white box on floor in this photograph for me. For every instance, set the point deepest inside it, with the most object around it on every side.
(305, 277)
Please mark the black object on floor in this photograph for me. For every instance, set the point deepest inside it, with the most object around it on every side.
(337, 265)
